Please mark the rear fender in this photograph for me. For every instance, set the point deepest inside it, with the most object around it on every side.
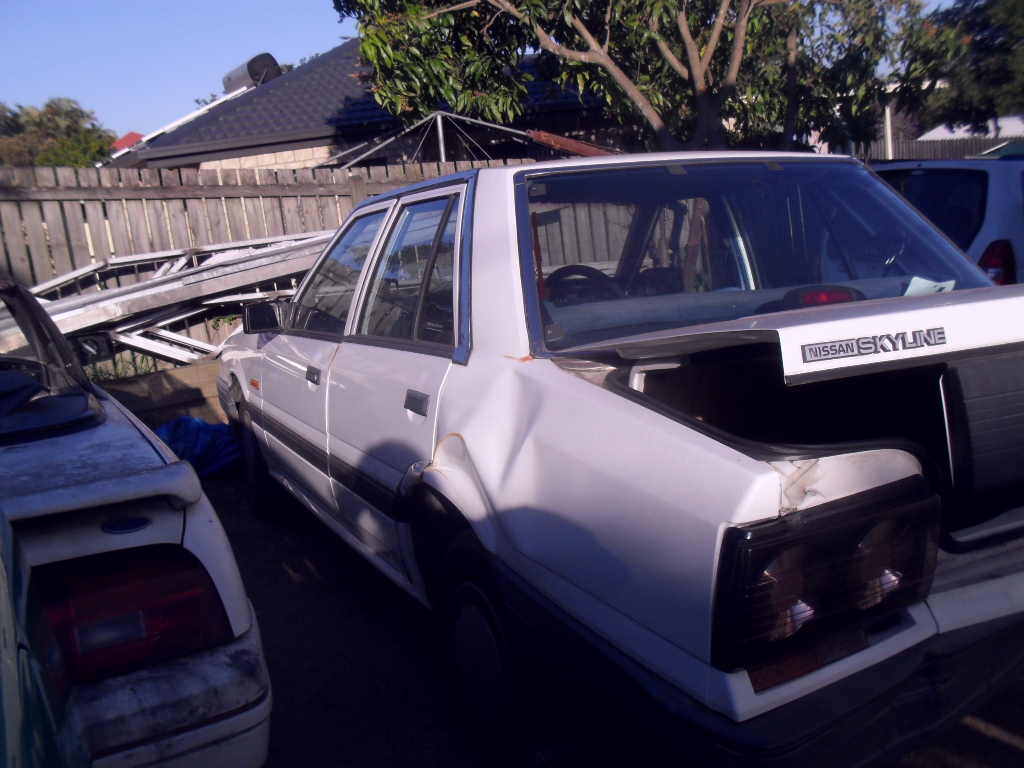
(452, 476)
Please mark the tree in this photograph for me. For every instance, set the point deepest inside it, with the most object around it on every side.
(710, 72)
(984, 67)
(60, 133)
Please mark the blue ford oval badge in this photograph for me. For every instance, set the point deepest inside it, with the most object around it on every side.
(126, 525)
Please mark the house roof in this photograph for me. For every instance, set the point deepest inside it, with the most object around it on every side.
(322, 101)
(129, 139)
(1002, 128)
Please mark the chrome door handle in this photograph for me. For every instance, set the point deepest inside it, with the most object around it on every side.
(312, 374)
(417, 402)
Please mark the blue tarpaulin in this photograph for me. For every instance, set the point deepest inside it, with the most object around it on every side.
(207, 447)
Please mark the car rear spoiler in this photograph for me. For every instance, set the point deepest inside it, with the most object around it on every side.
(176, 481)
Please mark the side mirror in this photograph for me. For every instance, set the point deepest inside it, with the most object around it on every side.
(264, 317)
(92, 347)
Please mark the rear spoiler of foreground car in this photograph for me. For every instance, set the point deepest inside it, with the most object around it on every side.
(839, 340)
(176, 481)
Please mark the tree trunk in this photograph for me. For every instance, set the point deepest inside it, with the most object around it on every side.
(791, 103)
(707, 129)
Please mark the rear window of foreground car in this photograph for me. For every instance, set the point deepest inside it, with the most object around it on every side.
(622, 251)
(36, 391)
(953, 198)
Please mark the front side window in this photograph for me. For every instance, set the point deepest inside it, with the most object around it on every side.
(619, 251)
(325, 301)
(411, 294)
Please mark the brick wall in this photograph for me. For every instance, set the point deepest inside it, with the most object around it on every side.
(293, 158)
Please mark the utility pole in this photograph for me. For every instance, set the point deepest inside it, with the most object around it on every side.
(440, 139)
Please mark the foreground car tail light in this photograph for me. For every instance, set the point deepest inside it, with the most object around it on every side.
(119, 611)
(797, 592)
(999, 263)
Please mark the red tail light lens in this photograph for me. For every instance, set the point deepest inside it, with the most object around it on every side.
(999, 263)
(120, 611)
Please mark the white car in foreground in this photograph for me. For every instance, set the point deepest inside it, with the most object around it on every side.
(125, 624)
(741, 431)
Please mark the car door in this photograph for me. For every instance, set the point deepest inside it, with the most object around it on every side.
(387, 375)
(296, 362)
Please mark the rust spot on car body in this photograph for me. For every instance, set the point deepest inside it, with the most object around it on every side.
(526, 359)
(441, 441)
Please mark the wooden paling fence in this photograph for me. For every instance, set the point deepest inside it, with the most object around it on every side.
(942, 149)
(59, 221)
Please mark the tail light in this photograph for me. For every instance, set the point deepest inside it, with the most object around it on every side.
(812, 296)
(119, 611)
(799, 591)
(827, 294)
(999, 263)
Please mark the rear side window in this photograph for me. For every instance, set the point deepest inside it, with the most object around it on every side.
(953, 199)
(411, 294)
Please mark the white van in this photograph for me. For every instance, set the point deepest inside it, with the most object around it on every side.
(977, 203)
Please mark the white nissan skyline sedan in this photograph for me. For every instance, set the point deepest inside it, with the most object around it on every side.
(742, 433)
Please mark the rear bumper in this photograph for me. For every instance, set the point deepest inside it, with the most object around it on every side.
(869, 717)
(208, 709)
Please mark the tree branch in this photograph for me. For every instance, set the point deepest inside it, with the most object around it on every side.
(544, 39)
(596, 55)
(716, 32)
(666, 52)
(608, 26)
(743, 12)
(697, 69)
(791, 106)
(490, 21)
(450, 8)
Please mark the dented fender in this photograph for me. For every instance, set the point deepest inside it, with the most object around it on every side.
(450, 472)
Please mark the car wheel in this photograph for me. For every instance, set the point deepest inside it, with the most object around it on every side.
(479, 643)
(262, 492)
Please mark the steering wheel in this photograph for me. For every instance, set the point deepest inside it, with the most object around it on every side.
(580, 284)
(890, 243)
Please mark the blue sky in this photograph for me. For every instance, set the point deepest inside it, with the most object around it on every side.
(139, 64)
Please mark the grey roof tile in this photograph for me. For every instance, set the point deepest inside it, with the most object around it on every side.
(326, 97)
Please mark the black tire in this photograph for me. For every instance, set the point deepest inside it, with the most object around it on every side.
(484, 663)
(262, 492)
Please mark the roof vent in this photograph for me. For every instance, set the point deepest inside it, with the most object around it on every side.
(256, 71)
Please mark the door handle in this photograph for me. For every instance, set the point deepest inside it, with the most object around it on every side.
(417, 402)
(312, 374)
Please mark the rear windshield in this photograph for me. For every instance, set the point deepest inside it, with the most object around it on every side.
(954, 199)
(38, 387)
(621, 251)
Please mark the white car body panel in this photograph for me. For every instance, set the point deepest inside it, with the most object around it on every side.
(299, 404)
(367, 394)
